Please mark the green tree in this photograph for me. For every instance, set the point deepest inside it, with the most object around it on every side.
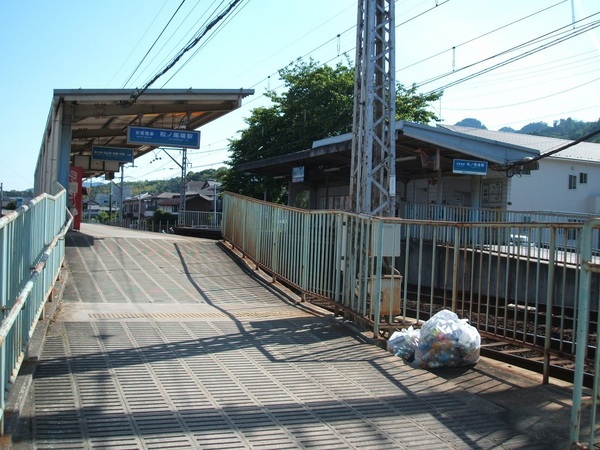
(207, 174)
(317, 103)
(103, 217)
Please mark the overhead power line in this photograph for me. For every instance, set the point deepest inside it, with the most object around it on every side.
(206, 42)
(558, 40)
(154, 43)
(205, 17)
(557, 150)
(136, 94)
(478, 37)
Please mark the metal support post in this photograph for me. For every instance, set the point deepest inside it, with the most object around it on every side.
(183, 183)
(373, 172)
(121, 204)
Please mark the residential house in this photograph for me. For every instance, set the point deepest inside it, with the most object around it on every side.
(166, 201)
(203, 196)
(137, 207)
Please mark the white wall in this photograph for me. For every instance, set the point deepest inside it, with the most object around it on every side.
(547, 189)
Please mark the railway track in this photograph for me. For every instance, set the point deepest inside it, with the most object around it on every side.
(516, 340)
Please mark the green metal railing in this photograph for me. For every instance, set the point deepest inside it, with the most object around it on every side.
(530, 284)
(388, 273)
(584, 410)
(31, 255)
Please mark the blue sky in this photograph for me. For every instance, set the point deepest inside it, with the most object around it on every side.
(67, 44)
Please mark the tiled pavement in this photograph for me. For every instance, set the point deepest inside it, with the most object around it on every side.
(163, 342)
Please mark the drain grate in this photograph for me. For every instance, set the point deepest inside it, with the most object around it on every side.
(201, 315)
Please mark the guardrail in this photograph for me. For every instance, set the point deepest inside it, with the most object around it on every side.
(31, 255)
(420, 211)
(389, 273)
(538, 290)
(194, 219)
(201, 219)
(585, 406)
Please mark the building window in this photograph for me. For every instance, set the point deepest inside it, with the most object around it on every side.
(572, 182)
(572, 233)
(583, 178)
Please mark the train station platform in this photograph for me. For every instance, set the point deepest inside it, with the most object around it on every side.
(158, 341)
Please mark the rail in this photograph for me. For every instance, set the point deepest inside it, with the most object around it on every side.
(532, 284)
(514, 281)
(419, 211)
(201, 219)
(585, 405)
(31, 255)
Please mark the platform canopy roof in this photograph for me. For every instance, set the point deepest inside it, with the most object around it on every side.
(329, 160)
(100, 117)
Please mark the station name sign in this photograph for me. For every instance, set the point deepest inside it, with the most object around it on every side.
(469, 167)
(165, 137)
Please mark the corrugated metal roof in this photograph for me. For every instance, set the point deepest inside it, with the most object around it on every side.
(587, 151)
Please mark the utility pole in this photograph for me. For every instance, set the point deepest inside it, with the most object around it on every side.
(214, 204)
(373, 170)
(183, 183)
(121, 204)
(110, 202)
(183, 165)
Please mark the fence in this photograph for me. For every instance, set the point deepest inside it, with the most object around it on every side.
(387, 273)
(585, 407)
(200, 219)
(467, 214)
(193, 219)
(31, 255)
(533, 284)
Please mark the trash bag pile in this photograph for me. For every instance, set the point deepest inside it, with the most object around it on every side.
(443, 341)
(403, 343)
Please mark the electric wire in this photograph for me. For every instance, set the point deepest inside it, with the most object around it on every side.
(556, 150)
(557, 40)
(136, 94)
(511, 60)
(469, 41)
(480, 36)
(154, 43)
(138, 43)
(530, 100)
(207, 40)
(424, 12)
(266, 79)
(538, 71)
(192, 32)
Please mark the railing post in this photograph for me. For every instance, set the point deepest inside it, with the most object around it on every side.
(549, 307)
(582, 337)
(455, 262)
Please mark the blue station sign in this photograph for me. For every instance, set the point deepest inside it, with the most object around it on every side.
(164, 137)
(112, 154)
(468, 167)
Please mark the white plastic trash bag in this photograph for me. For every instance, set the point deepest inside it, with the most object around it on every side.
(447, 341)
(404, 343)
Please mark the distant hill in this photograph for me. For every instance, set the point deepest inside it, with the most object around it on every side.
(473, 123)
(158, 186)
(562, 129)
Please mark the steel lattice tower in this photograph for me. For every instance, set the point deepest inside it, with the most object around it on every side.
(373, 171)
